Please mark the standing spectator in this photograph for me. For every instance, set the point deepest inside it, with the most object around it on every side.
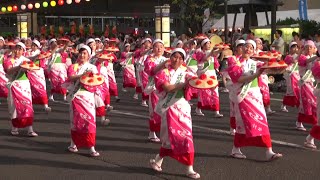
(278, 43)
(317, 39)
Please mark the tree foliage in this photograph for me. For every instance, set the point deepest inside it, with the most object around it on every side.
(192, 11)
(307, 27)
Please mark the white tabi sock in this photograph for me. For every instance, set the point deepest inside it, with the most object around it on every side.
(269, 153)
(158, 160)
(30, 129)
(152, 134)
(310, 139)
(14, 129)
(236, 150)
(190, 170)
(72, 144)
(299, 124)
(92, 149)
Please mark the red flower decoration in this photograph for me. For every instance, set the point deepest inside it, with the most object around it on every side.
(203, 76)
(212, 77)
(90, 81)
(261, 53)
(281, 62)
(273, 60)
(269, 53)
(99, 79)
(31, 65)
(194, 77)
(83, 77)
(198, 82)
(273, 51)
(24, 62)
(90, 74)
(270, 63)
(210, 82)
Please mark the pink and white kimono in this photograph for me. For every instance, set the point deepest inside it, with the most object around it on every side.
(292, 77)
(82, 109)
(19, 97)
(176, 123)
(57, 69)
(113, 88)
(208, 99)
(3, 79)
(143, 75)
(251, 121)
(102, 91)
(263, 81)
(308, 107)
(150, 89)
(137, 57)
(229, 85)
(192, 64)
(315, 130)
(38, 83)
(129, 77)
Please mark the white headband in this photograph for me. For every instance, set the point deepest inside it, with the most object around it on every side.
(86, 48)
(90, 40)
(180, 50)
(204, 41)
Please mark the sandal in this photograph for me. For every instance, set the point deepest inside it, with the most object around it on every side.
(14, 133)
(275, 156)
(105, 122)
(310, 145)
(73, 149)
(32, 134)
(94, 154)
(218, 116)
(238, 155)
(154, 140)
(301, 129)
(194, 175)
(155, 166)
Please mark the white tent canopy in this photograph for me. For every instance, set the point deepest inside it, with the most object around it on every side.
(313, 14)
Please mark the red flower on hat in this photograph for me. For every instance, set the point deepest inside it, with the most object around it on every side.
(261, 53)
(198, 82)
(282, 62)
(203, 76)
(210, 82)
(194, 77)
(212, 77)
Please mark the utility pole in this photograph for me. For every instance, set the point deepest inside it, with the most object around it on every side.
(226, 29)
(273, 19)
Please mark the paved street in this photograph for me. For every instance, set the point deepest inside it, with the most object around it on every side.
(125, 151)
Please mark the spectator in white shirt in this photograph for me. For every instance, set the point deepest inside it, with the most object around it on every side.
(278, 43)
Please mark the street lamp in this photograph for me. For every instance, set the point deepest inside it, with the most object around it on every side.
(162, 24)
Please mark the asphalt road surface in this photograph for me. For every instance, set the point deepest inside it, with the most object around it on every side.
(125, 151)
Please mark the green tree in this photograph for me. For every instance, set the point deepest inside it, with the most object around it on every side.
(191, 12)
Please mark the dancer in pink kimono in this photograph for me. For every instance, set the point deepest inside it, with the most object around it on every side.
(82, 105)
(19, 98)
(153, 64)
(102, 93)
(229, 84)
(192, 64)
(113, 88)
(208, 99)
(127, 62)
(176, 123)
(307, 108)
(142, 75)
(263, 81)
(292, 77)
(57, 70)
(137, 55)
(3, 78)
(37, 78)
(315, 131)
(252, 126)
